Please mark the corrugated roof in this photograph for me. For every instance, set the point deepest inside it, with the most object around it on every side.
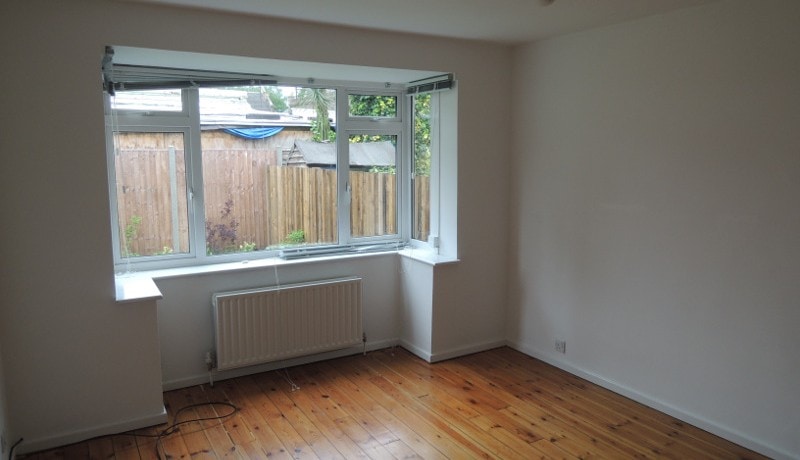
(219, 108)
(361, 154)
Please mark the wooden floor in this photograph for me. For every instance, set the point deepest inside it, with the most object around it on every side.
(390, 404)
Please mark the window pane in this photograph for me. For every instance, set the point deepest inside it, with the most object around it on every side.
(366, 105)
(151, 193)
(163, 100)
(373, 197)
(421, 201)
(267, 183)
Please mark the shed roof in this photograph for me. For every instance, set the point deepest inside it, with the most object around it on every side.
(361, 154)
(219, 108)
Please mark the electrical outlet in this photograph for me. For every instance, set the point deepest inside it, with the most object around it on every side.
(561, 346)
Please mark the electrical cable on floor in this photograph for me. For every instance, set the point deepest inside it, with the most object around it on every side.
(175, 427)
(289, 379)
(14, 446)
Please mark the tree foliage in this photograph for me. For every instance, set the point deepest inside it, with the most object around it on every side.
(321, 100)
(276, 98)
(271, 98)
(363, 105)
(422, 135)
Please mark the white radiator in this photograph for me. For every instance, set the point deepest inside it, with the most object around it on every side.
(268, 324)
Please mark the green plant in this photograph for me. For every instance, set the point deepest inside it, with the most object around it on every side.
(383, 169)
(131, 229)
(320, 100)
(296, 237)
(247, 247)
(166, 250)
(276, 98)
(422, 135)
(221, 237)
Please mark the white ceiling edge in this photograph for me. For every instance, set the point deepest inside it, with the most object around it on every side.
(503, 21)
(293, 72)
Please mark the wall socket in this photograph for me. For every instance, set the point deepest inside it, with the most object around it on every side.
(561, 346)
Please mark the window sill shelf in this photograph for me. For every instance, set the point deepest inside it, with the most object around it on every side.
(141, 286)
(130, 288)
(427, 257)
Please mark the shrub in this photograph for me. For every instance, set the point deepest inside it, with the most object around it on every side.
(296, 237)
(130, 234)
(221, 238)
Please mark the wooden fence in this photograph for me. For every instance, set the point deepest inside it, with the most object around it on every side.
(246, 193)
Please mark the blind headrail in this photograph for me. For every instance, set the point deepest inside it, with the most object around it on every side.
(127, 77)
(427, 85)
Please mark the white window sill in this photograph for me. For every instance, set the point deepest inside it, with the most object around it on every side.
(136, 289)
(427, 256)
(140, 286)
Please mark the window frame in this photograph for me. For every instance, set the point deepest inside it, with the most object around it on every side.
(188, 122)
(432, 243)
(129, 120)
(377, 126)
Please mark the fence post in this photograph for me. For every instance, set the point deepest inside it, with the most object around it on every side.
(173, 192)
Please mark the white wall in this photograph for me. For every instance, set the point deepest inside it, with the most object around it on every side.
(656, 225)
(416, 313)
(70, 352)
(185, 319)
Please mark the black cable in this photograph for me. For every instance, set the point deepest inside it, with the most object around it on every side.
(175, 427)
(172, 429)
(11, 452)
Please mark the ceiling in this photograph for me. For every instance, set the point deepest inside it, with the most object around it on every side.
(505, 21)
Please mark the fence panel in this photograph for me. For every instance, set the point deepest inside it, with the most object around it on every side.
(263, 203)
(421, 208)
(147, 209)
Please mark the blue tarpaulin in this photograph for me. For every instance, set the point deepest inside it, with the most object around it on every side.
(254, 133)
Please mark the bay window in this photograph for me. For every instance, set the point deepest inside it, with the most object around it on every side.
(209, 166)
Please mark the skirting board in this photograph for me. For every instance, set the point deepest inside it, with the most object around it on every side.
(371, 346)
(200, 379)
(468, 350)
(711, 427)
(416, 351)
(71, 437)
(453, 353)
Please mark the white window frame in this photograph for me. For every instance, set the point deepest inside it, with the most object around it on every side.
(188, 122)
(390, 126)
(432, 243)
(158, 122)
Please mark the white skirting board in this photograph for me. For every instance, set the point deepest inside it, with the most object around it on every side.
(203, 378)
(71, 437)
(700, 422)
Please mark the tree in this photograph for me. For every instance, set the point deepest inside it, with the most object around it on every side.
(269, 98)
(320, 100)
(422, 135)
(362, 105)
(276, 97)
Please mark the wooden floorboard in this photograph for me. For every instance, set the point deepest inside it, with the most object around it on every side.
(389, 404)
